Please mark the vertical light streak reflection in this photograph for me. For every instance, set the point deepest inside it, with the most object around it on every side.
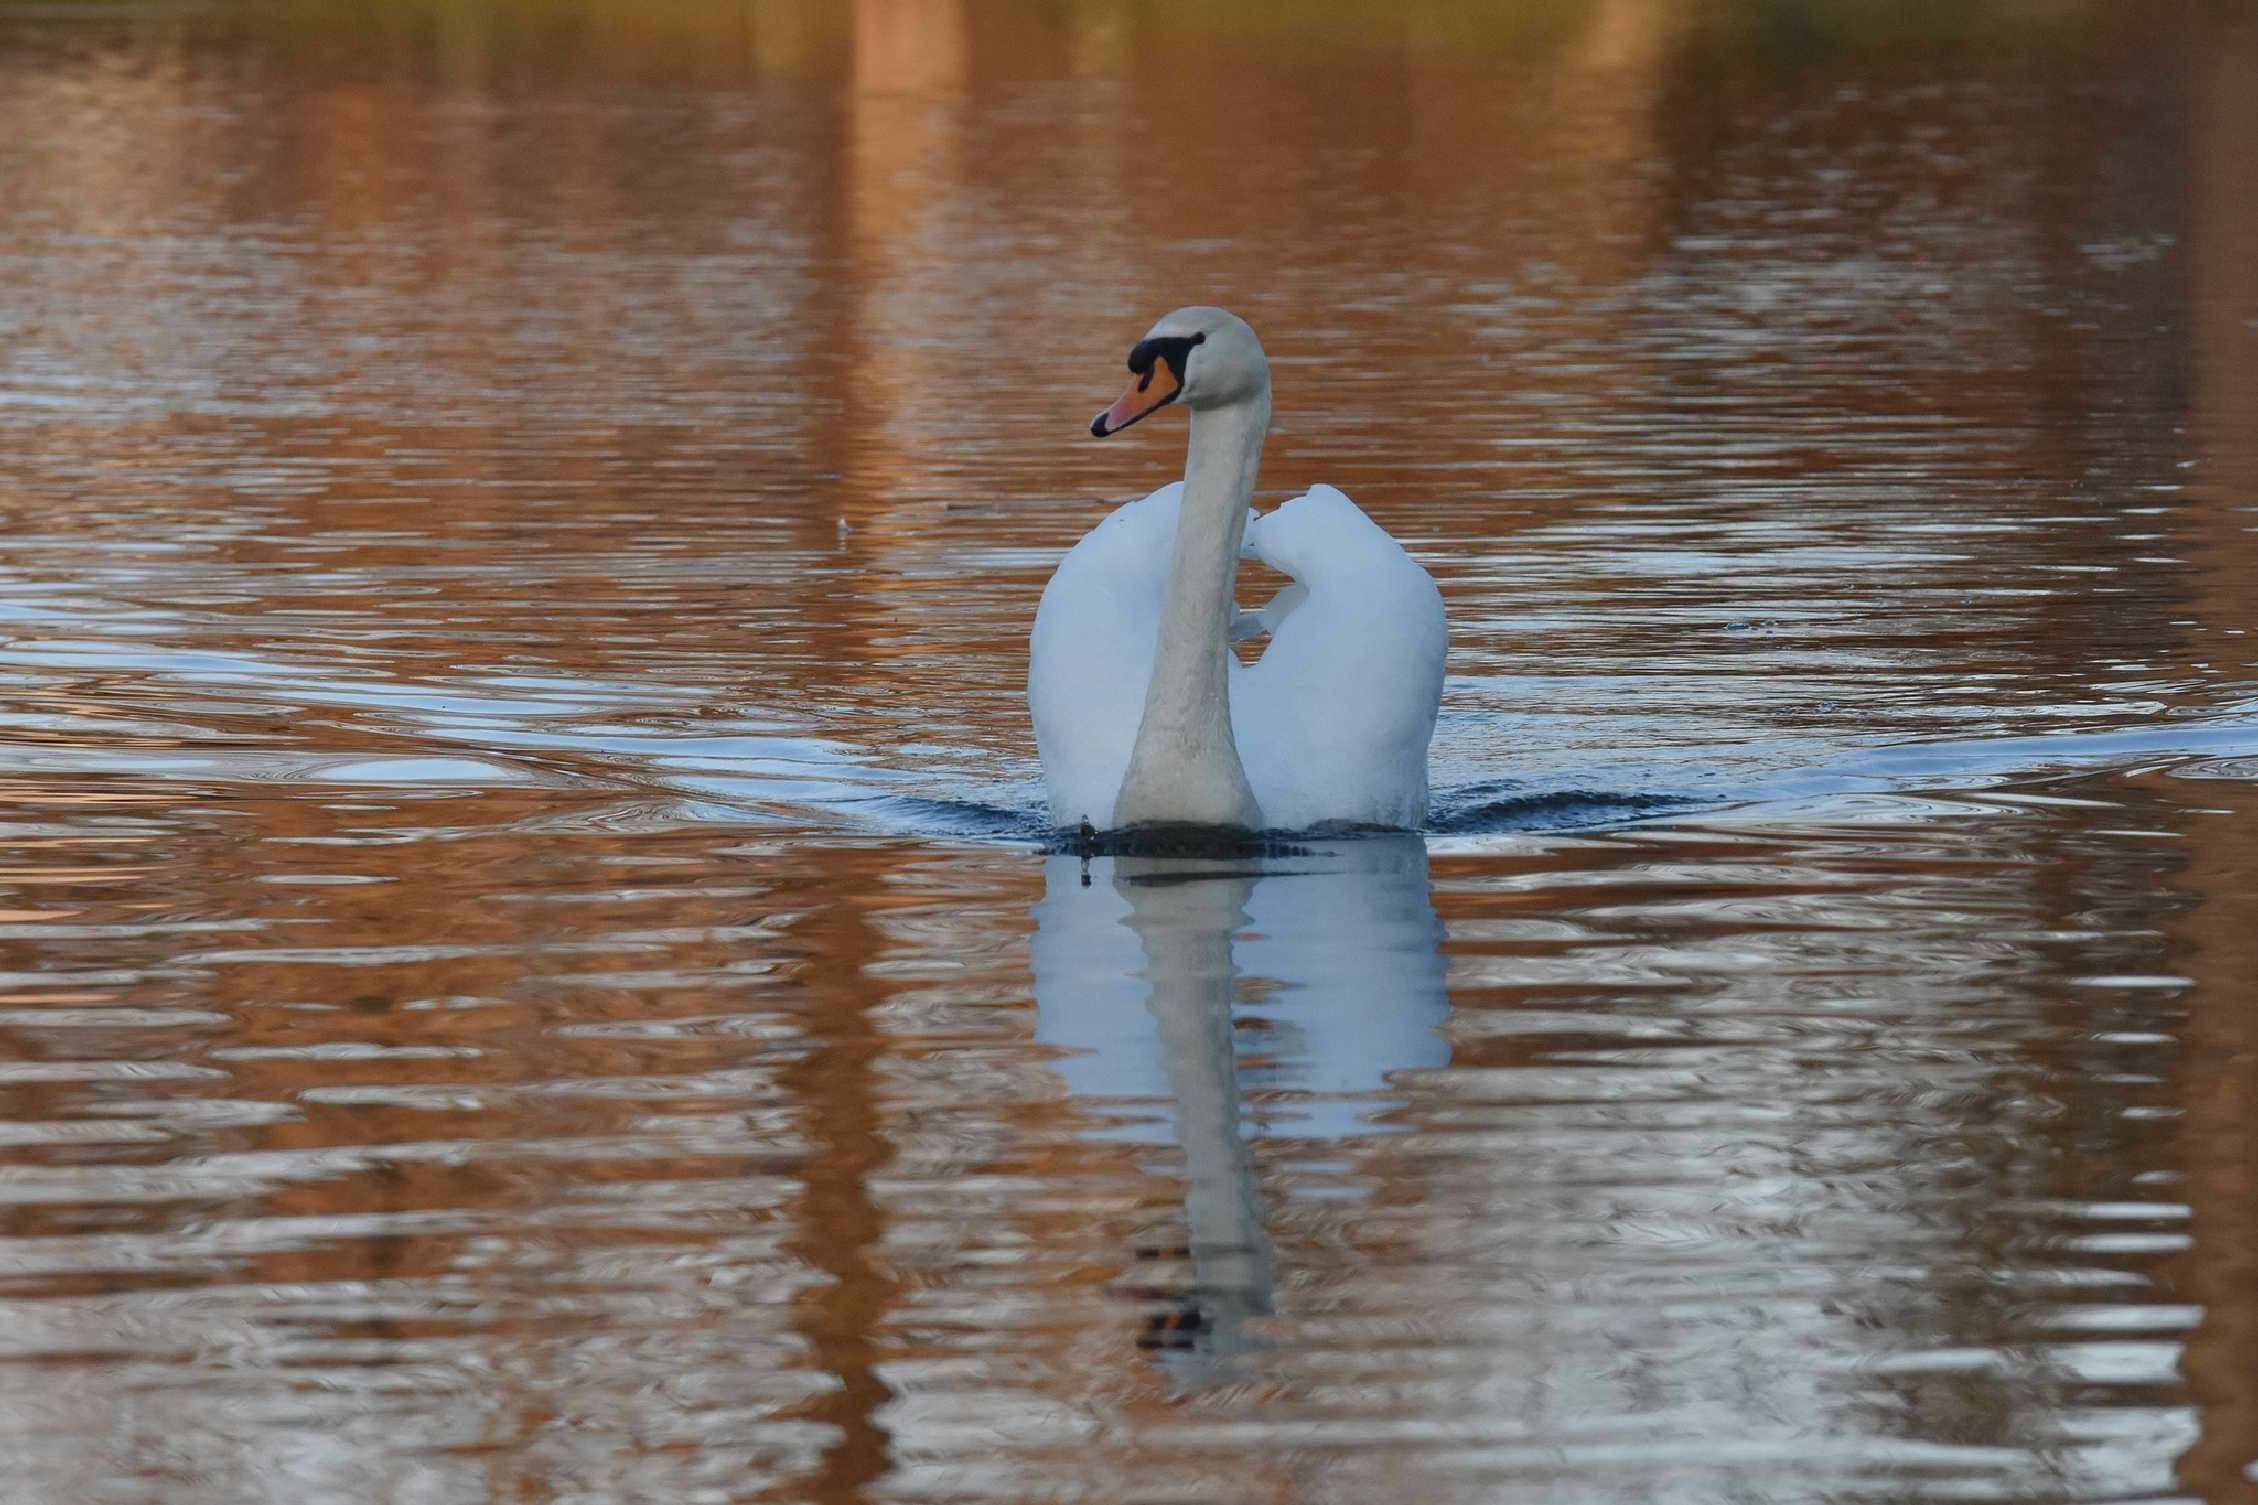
(2219, 1092)
(838, 1224)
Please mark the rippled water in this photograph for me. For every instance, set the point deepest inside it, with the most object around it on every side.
(531, 971)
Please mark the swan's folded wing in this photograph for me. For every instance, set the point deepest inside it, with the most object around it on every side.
(1090, 655)
(1333, 722)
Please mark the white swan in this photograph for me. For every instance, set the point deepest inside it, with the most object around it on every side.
(1143, 713)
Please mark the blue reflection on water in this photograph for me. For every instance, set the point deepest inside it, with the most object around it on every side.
(1312, 978)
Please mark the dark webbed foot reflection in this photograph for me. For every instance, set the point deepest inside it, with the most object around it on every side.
(1178, 984)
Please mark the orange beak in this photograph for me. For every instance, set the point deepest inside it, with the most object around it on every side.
(1155, 389)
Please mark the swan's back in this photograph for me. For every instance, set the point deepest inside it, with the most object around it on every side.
(1091, 654)
(1333, 722)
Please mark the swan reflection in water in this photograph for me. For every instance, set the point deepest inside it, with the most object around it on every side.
(1175, 988)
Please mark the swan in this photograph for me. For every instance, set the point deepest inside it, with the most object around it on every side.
(1142, 712)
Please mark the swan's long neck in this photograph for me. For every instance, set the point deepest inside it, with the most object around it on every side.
(1185, 765)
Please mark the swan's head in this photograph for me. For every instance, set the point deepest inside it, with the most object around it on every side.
(1204, 357)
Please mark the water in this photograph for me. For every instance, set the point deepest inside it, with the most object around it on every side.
(530, 966)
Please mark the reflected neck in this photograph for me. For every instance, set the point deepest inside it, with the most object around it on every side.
(1185, 765)
(1187, 930)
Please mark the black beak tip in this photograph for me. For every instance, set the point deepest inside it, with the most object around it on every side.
(1098, 430)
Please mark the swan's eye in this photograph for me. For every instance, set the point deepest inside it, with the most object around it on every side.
(1174, 349)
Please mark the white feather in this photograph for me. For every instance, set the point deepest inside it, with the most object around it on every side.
(1332, 722)
(1334, 719)
(1091, 655)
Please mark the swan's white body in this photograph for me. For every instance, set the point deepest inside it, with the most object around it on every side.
(1132, 682)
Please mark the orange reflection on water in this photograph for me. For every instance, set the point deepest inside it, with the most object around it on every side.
(523, 521)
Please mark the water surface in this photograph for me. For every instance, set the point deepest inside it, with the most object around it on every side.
(530, 966)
